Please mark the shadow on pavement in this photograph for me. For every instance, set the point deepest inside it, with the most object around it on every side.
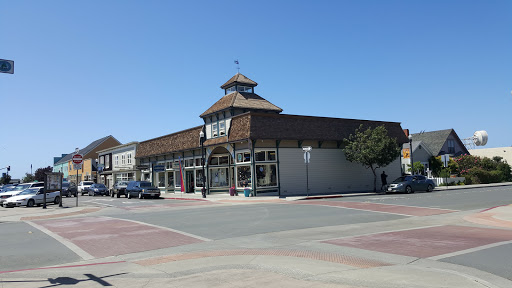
(61, 281)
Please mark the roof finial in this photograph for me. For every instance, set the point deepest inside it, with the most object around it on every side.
(237, 65)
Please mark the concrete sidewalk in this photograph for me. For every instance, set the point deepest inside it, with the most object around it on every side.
(319, 195)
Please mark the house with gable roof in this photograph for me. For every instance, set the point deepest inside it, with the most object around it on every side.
(89, 165)
(248, 142)
(433, 143)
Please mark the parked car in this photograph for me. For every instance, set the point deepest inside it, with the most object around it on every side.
(411, 183)
(18, 189)
(83, 186)
(142, 189)
(119, 189)
(69, 189)
(7, 187)
(31, 197)
(97, 189)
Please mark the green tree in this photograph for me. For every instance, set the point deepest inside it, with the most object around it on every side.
(6, 178)
(28, 178)
(40, 174)
(418, 167)
(372, 148)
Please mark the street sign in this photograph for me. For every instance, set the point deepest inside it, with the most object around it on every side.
(77, 159)
(307, 156)
(445, 159)
(6, 66)
(77, 166)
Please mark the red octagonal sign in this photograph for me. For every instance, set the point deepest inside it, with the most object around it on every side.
(77, 159)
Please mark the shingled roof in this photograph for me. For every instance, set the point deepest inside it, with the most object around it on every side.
(242, 100)
(239, 78)
(436, 139)
(179, 141)
(254, 126)
(86, 150)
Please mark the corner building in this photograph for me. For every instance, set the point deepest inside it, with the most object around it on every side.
(249, 142)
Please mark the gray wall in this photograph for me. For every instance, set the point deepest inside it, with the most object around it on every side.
(329, 172)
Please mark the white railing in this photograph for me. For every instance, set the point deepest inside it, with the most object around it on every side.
(438, 181)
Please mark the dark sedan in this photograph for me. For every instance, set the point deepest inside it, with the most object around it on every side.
(411, 183)
(97, 189)
(69, 189)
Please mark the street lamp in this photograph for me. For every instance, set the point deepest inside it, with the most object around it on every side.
(201, 140)
(410, 154)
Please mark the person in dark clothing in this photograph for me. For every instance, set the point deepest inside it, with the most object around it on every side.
(383, 180)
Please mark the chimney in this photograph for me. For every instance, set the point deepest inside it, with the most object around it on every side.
(406, 131)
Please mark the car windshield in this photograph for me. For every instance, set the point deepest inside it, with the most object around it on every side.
(10, 188)
(403, 179)
(123, 183)
(145, 184)
(31, 191)
(21, 187)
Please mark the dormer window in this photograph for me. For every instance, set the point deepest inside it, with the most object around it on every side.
(244, 89)
(215, 132)
(222, 128)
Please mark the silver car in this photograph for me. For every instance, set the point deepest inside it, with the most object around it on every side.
(411, 183)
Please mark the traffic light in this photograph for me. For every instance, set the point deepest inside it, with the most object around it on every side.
(8, 168)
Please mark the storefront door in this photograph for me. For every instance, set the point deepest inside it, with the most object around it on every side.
(190, 181)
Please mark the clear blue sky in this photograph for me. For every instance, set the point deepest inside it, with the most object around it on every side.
(142, 69)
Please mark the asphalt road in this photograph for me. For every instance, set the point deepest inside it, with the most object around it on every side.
(337, 225)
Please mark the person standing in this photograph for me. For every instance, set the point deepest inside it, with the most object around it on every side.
(383, 180)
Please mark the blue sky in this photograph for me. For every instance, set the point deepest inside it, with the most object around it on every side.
(142, 69)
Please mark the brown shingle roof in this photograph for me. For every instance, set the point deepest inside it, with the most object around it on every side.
(268, 126)
(241, 100)
(239, 78)
(295, 127)
(179, 141)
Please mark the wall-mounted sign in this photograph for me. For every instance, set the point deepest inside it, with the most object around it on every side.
(143, 167)
(158, 168)
(407, 153)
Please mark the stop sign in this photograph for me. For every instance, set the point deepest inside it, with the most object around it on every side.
(77, 159)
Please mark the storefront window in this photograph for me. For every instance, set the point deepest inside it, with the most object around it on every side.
(243, 157)
(214, 161)
(199, 178)
(219, 177)
(198, 161)
(271, 155)
(170, 179)
(161, 179)
(178, 179)
(259, 155)
(223, 160)
(243, 176)
(189, 163)
(266, 175)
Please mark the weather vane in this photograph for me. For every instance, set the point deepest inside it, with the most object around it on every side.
(237, 65)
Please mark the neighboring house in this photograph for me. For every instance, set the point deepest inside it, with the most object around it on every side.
(504, 152)
(89, 156)
(249, 143)
(434, 143)
(118, 164)
(61, 166)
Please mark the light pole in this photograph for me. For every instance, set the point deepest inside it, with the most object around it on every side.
(410, 154)
(201, 140)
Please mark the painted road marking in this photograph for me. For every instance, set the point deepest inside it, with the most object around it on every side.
(105, 236)
(384, 208)
(84, 255)
(471, 250)
(426, 242)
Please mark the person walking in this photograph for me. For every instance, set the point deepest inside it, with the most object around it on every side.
(384, 181)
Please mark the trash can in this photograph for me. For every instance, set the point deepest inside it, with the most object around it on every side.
(247, 192)
(232, 191)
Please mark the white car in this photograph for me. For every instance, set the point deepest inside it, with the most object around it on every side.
(83, 186)
(17, 190)
(31, 197)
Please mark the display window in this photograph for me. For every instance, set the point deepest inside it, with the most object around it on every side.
(266, 175)
(243, 176)
(219, 177)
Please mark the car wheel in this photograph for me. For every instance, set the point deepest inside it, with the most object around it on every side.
(31, 203)
(408, 189)
(140, 195)
(57, 200)
(430, 188)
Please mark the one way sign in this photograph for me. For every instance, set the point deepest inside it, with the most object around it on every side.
(6, 66)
